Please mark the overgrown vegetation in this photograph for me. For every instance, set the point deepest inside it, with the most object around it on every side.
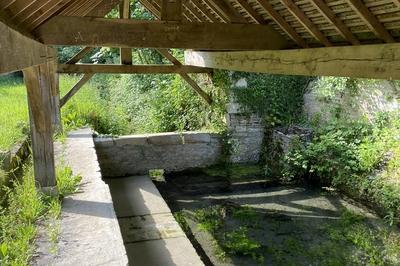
(242, 233)
(23, 207)
(360, 156)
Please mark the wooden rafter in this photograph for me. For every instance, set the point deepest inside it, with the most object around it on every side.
(252, 13)
(225, 8)
(282, 23)
(372, 22)
(206, 13)
(222, 17)
(336, 22)
(306, 22)
(124, 33)
(85, 78)
(81, 54)
(185, 76)
(130, 69)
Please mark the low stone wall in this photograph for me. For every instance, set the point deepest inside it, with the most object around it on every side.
(12, 159)
(137, 154)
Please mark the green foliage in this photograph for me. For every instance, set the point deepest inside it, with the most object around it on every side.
(238, 242)
(359, 157)
(276, 98)
(13, 111)
(88, 108)
(23, 207)
(67, 183)
(209, 219)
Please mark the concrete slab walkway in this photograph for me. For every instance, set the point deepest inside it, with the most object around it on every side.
(90, 233)
(151, 235)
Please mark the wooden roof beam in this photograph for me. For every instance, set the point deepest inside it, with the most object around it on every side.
(306, 22)
(380, 61)
(130, 69)
(282, 23)
(85, 31)
(372, 22)
(19, 52)
(336, 22)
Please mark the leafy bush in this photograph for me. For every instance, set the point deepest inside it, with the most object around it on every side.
(358, 157)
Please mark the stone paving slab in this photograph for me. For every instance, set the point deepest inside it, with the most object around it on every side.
(134, 196)
(150, 227)
(90, 233)
(151, 234)
(164, 252)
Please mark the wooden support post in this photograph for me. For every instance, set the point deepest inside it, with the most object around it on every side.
(55, 97)
(38, 83)
(125, 53)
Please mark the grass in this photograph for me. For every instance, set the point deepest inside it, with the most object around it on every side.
(85, 108)
(13, 111)
(23, 208)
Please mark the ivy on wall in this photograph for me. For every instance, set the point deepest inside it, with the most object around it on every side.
(276, 98)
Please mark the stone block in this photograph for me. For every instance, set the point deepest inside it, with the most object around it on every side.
(166, 139)
(131, 140)
(197, 137)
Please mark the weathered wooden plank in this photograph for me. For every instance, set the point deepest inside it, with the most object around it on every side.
(158, 34)
(75, 89)
(19, 52)
(38, 83)
(130, 69)
(368, 61)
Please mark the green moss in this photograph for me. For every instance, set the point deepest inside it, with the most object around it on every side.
(235, 171)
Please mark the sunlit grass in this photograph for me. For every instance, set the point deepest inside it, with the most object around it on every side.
(13, 111)
(82, 109)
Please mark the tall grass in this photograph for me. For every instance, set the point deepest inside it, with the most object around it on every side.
(23, 206)
(13, 111)
(86, 108)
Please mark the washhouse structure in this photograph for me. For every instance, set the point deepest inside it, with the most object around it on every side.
(354, 38)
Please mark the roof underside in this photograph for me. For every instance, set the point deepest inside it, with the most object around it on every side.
(303, 20)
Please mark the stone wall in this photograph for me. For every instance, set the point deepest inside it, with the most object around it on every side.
(371, 98)
(247, 130)
(137, 154)
(11, 160)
